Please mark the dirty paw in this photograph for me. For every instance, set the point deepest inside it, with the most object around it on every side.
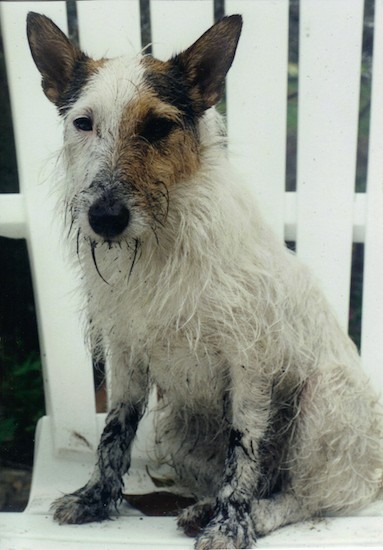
(220, 535)
(195, 517)
(79, 507)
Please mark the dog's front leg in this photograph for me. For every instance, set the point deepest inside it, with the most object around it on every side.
(231, 525)
(93, 501)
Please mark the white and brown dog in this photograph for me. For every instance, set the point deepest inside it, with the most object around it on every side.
(267, 416)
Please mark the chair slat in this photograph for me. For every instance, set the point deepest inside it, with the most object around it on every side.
(327, 137)
(67, 367)
(13, 223)
(372, 313)
(359, 217)
(176, 24)
(256, 93)
(109, 29)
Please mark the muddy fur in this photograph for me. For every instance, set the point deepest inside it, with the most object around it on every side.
(265, 412)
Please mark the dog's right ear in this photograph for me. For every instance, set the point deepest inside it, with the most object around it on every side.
(54, 55)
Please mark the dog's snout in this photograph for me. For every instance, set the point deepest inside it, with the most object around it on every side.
(108, 217)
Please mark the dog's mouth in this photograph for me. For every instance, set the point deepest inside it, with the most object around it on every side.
(108, 218)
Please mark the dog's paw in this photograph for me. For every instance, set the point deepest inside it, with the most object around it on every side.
(226, 534)
(195, 517)
(214, 541)
(79, 507)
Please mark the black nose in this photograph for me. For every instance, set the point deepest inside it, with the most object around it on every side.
(108, 217)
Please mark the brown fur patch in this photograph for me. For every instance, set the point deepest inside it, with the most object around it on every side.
(170, 84)
(152, 167)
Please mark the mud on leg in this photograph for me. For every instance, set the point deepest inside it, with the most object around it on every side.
(93, 501)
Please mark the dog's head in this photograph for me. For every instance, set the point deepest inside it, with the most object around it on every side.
(132, 126)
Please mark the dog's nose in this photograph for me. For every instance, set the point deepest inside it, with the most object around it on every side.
(108, 218)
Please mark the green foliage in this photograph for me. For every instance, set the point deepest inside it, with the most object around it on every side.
(7, 429)
(22, 404)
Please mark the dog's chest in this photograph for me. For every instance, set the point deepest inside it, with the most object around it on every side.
(198, 376)
(181, 360)
(183, 369)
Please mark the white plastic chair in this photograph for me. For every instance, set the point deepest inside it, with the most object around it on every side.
(324, 217)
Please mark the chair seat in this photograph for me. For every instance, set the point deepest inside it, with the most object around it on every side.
(53, 475)
(31, 531)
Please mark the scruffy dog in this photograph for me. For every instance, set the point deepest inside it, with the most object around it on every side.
(267, 416)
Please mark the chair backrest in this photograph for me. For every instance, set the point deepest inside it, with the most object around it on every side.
(324, 216)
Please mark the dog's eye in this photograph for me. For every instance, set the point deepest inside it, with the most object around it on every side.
(156, 128)
(83, 123)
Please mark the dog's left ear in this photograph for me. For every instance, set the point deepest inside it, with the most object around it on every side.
(207, 61)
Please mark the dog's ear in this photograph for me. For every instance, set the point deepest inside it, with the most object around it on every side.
(54, 55)
(207, 61)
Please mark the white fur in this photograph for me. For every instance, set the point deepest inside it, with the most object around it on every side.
(265, 412)
(212, 305)
(104, 98)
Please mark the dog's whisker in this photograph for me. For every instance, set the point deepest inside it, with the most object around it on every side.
(157, 219)
(93, 246)
(137, 244)
(78, 242)
(153, 228)
(70, 226)
(165, 195)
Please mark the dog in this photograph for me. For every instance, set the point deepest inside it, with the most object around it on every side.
(266, 414)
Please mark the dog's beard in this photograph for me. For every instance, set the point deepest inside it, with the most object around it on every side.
(149, 223)
(132, 245)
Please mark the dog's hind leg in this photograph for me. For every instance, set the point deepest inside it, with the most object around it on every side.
(282, 509)
(334, 461)
(93, 501)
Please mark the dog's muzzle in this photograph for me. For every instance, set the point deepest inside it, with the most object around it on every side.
(108, 217)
